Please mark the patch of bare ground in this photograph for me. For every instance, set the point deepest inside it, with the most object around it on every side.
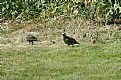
(48, 32)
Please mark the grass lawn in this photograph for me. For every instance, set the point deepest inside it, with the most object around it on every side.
(61, 62)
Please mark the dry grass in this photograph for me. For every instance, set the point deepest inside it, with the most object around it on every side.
(50, 30)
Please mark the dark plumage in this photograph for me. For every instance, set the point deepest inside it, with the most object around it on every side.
(30, 38)
(69, 40)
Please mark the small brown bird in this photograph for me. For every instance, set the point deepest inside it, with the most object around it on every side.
(30, 38)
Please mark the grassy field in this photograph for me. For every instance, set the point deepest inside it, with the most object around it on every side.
(61, 62)
(48, 61)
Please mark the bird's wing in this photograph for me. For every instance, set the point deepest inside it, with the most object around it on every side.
(31, 37)
(73, 40)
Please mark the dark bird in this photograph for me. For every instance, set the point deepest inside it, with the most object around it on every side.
(30, 38)
(69, 40)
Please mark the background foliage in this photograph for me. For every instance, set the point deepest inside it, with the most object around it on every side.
(106, 11)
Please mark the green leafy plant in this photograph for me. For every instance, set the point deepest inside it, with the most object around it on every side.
(97, 11)
(114, 14)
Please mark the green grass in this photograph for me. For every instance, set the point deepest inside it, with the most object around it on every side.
(86, 62)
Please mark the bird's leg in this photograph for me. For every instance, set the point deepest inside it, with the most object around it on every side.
(29, 42)
(32, 43)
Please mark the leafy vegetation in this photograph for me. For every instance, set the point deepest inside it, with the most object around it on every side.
(99, 11)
